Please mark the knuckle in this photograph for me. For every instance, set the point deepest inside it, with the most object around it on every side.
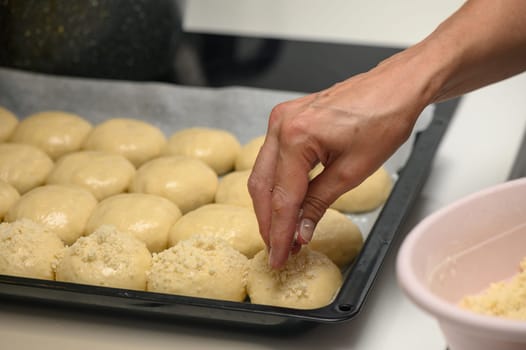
(355, 175)
(282, 200)
(278, 113)
(315, 207)
(295, 128)
(280, 108)
(279, 199)
(346, 176)
(256, 185)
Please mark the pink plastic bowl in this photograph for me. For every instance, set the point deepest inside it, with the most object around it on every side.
(460, 250)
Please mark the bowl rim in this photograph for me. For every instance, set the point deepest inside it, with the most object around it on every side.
(429, 302)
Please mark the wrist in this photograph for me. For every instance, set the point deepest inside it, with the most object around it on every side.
(484, 42)
(432, 64)
(422, 72)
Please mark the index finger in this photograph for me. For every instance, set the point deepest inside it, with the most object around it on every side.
(291, 183)
(261, 184)
(262, 177)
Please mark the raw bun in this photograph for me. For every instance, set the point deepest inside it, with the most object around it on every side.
(63, 209)
(217, 148)
(233, 189)
(367, 196)
(108, 258)
(236, 225)
(8, 123)
(248, 154)
(23, 166)
(54, 132)
(102, 173)
(337, 237)
(134, 139)
(188, 182)
(145, 216)
(28, 249)
(8, 196)
(202, 266)
(309, 280)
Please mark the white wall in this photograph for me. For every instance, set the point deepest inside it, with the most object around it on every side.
(397, 23)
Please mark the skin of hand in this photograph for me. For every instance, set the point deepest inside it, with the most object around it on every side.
(354, 126)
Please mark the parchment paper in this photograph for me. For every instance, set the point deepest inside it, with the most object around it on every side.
(241, 110)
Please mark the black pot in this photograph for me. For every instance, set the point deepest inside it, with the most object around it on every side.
(118, 39)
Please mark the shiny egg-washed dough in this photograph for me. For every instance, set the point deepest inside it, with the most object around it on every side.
(147, 217)
(236, 225)
(108, 258)
(28, 249)
(202, 266)
(308, 280)
(134, 139)
(248, 153)
(63, 209)
(217, 148)
(233, 189)
(8, 196)
(102, 173)
(338, 237)
(186, 181)
(23, 166)
(8, 123)
(55, 132)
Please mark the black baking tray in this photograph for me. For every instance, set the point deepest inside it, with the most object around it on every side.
(358, 278)
(269, 63)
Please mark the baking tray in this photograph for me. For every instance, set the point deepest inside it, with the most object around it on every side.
(244, 111)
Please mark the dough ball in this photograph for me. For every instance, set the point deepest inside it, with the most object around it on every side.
(8, 196)
(103, 174)
(136, 140)
(367, 196)
(63, 209)
(23, 166)
(108, 258)
(202, 266)
(248, 154)
(145, 216)
(236, 225)
(54, 132)
(28, 249)
(233, 189)
(337, 237)
(186, 181)
(309, 280)
(8, 123)
(217, 148)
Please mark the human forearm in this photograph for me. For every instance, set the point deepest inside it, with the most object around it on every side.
(354, 126)
(483, 42)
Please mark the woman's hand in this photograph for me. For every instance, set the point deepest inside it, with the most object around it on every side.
(352, 128)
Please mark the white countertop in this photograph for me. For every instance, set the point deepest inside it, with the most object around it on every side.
(477, 151)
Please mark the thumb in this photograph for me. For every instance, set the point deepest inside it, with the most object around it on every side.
(323, 190)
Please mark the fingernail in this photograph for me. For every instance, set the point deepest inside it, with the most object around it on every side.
(306, 229)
